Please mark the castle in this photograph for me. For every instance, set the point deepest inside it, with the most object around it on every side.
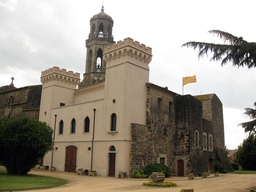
(115, 120)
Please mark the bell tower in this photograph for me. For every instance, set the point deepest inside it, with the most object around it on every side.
(100, 36)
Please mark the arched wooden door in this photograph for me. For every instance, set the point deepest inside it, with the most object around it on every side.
(112, 161)
(180, 168)
(70, 162)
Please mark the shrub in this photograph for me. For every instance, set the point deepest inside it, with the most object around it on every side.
(235, 166)
(160, 184)
(138, 173)
(218, 166)
(156, 167)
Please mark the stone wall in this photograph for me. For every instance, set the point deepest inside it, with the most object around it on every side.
(172, 121)
(154, 140)
(213, 111)
(23, 101)
(188, 118)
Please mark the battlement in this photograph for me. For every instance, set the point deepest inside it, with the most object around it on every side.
(128, 47)
(59, 71)
(58, 74)
(131, 42)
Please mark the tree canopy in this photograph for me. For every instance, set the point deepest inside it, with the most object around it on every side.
(23, 142)
(250, 126)
(235, 50)
(246, 153)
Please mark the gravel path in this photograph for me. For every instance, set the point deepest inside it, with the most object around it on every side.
(80, 183)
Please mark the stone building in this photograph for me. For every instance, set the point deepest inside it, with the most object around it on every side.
(17, 102)
(115, 120)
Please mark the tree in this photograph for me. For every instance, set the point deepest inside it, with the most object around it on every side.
(250, 126)
(23, 142)
(246, 153)
(237, 51)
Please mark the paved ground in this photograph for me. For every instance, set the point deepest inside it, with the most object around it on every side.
(223, 183)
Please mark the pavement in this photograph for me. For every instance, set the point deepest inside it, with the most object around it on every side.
(223, 183)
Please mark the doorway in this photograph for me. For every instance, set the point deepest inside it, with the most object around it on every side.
(180, 168)
(112, 161)
(70, 162)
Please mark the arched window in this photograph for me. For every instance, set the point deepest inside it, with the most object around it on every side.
(113, 122)
(101, 27)
(73, 126)
(61, 127)
(86, 124)
(99, 59)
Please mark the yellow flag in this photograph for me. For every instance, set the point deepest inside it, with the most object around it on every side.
(190, 79)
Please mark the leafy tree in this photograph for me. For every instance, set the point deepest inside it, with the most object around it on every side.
(23, 142)
(250, 126)
(246, 153)
(235, 50)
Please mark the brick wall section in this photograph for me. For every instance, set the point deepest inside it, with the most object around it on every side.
(23, 101)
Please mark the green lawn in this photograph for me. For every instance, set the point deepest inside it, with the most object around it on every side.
(244, 172)
(13, 182)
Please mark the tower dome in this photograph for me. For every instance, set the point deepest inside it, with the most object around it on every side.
(102, 15)
(101, 26)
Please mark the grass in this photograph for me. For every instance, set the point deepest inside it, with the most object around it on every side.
(244, 172)
(14, 182)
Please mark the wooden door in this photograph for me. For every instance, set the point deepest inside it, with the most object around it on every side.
(112, 164)
(162, 160)
(70, 162)
(180, 168)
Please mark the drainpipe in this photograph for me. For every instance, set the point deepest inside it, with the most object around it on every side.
(53, 136)
(94, 112)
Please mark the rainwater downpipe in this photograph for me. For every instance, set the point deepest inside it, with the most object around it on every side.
(93, 130)
(53, 136)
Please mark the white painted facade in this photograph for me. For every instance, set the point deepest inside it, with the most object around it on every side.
(123, 93)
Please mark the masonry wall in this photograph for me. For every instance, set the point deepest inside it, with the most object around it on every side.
(188, 118)
(23, 101)
(154, 140)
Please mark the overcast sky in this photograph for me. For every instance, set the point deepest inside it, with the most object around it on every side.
(39, 34)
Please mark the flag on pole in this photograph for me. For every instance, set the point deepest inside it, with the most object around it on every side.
(187, 80)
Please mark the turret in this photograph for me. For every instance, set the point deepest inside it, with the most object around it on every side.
(100, 36)
(58, 89)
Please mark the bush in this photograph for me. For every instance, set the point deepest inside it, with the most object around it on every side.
(218, 166)
(138, 173)
(156, 167)
(235, 166)
(23, 142)
(160, 184)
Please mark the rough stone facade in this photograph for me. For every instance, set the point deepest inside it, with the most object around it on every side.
(16, 102)
(213, 112)
(176, 131)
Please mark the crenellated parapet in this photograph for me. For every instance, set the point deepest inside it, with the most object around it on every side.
(128, 47)
(62, 75)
